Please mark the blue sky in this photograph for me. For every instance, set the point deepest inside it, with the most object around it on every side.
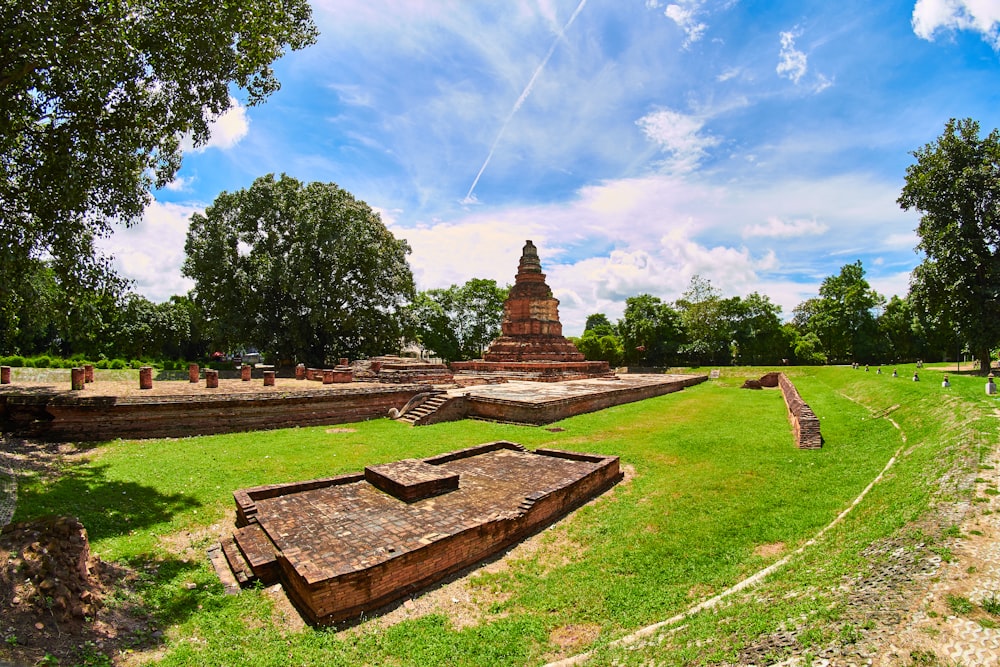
(759, 144)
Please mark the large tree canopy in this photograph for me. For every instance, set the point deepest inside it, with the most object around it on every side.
(304, 272)
(955, 185)
(461, 321)
(96, 96)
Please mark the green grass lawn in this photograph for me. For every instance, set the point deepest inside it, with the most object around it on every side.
(716, 477)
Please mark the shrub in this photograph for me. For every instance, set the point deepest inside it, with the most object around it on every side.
(15, 361)
(117, 364)
(42, 362)
(103, 364)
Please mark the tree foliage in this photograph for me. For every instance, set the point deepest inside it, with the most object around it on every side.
(650, 331)
(303, 272)
(955, 185)
(844, 316)
(459, 322)
(95, 99)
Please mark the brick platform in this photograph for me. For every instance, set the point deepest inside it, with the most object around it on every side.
(342, 547)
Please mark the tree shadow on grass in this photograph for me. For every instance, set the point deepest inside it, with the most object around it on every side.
(59, 479)
(140, 594)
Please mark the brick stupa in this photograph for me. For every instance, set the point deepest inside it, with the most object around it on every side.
(532, 346)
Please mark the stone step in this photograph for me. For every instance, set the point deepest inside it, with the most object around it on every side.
(258, 552)
(237, 563)
(221, 565)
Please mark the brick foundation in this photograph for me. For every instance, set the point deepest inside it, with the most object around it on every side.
(61, 417)
(343, 548)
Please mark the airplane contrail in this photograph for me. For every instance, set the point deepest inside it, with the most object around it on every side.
(520, 100)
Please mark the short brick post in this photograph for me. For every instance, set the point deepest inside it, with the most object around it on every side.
(4, 374)
(88, 373)
(245, 370)
(344, 361)
(376, 367)
(327, 376)
(76, 377)
(211, 379)
(146, 377)
(268, 378)
(193, 373)
(300, 372)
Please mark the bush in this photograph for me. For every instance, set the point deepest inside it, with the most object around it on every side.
(42, 362)
(103, 364)
(15, 361)
(117, 364)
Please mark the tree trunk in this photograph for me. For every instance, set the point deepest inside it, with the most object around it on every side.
(985, 360)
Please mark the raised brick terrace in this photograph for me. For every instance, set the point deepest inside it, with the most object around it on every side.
(343, 546)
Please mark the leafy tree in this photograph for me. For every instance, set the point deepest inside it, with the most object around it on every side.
(304, 272)
(955, 185)
(600, 324)
(901, 331)
(95, 98)
(147, 330)
(461, 321)
(705, 318)
(650, 331)
(843, 317)
(758, 336)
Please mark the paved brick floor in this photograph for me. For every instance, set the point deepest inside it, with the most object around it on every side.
(338, 529)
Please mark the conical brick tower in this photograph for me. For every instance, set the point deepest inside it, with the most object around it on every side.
(532, 346)
(531, 327)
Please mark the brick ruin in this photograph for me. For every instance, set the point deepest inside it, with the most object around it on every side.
(532, 346)
(348, 545)
(805, 423)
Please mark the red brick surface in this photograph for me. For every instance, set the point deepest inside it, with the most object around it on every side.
(345, 547)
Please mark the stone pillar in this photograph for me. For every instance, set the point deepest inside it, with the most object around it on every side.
(327, 376)
(245, 370)
(4, 374)
(77, 378)
(991, 386)
(88, 373)
(193, 373)
(300, 372)
(268, 378)
(146, 377)
(211, 378)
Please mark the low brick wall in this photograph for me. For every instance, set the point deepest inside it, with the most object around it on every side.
(72, 418)
(805, 424)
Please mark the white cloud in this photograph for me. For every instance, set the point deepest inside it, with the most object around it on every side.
(227, 129)
(792, 63)
(179, 184)
(686, 15)
(678, 135)
(777, 228)
(901, 240)
(933, 16)
(151, 252)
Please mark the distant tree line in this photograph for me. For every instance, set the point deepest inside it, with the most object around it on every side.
(306, 272)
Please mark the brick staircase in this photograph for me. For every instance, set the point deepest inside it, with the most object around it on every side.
(419, 413)
(246, 557)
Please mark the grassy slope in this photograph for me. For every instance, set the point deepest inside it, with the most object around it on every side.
(716, 476)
